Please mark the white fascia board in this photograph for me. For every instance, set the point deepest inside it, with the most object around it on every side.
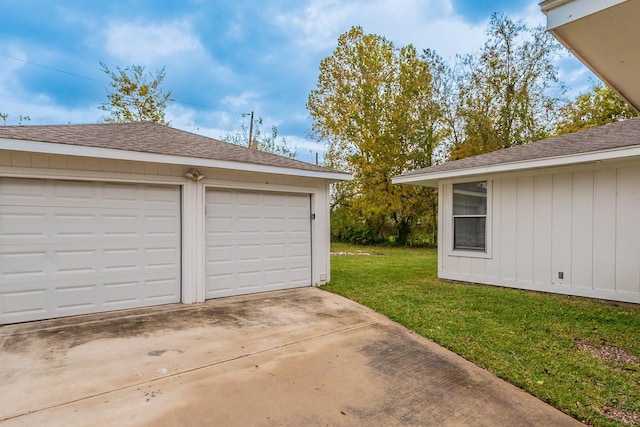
(138, 156)
(561, 12)
(431, 179)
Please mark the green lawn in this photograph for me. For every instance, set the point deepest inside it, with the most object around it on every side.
(539, 342)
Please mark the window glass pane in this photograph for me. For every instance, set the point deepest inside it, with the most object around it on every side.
(470, 198)
(469, 233)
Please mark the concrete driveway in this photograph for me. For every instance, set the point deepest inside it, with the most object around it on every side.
(299, 357)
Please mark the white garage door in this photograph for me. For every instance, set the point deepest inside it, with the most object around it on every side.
(71, 247)
(256, 241)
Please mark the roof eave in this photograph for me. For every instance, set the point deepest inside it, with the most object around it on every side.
(138, 156)
(431, 179)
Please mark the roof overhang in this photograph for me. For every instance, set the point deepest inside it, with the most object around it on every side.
(138, 156)
(603, 34)
(431, 179)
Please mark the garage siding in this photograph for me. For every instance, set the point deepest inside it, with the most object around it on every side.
(72, 247)
(256, 241)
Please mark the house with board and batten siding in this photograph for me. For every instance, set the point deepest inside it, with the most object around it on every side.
(560, 215)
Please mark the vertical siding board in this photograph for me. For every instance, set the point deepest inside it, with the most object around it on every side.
(445, 198)
(5, 158)
(508, 230)
(441, 222)
(628, 230)
(464, 265)
(40, 161)
(76, 163)
(492, 269)
(478, 267)
(604, 230)
(92, 164)
(524, 233)
(137, 168)
(582, 230)
(19, 159)
(58, 162)
(561, 229)
(542, 218)
(107, 165)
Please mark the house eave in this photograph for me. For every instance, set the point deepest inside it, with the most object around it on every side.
(138, 156)
(431, 179)
(598, 33)
(562, 12)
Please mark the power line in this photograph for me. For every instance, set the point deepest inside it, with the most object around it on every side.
(102, 82)
(52, 68)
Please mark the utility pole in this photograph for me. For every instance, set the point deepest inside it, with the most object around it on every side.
(251, 132)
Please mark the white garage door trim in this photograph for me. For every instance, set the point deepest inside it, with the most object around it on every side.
(78, 247)
(256, 241)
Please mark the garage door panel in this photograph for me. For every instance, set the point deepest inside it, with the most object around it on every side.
(254, 239)
(160, 226)
(20, 302)
(76, 261)
(20, 226)
(219, 226)
(120, 259)
(247, 199)
(87, 256)
(275, 226)
(158, 257)
(66, 225)
(23, 263)
(125, 293)
(247, 226)
(160, 290)
(276, 252)
(248, 253)
(16, 193)
(75, 297)
(297, 225)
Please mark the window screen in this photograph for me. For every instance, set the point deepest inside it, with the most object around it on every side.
(470, 216)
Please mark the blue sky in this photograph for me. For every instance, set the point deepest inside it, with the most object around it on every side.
(222, 58)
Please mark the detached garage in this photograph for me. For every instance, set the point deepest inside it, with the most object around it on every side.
(111, 216)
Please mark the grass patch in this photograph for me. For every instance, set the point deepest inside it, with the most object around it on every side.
(555, 347)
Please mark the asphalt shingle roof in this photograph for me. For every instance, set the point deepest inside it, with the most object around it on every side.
(150, 137)
(602, 138)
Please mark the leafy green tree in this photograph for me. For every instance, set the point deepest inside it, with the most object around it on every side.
(507, 94)
(375, 109)
(261, 140)
(4, 117)
(598, 107)
(135, 96)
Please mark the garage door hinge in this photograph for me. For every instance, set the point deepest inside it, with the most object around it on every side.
(313, 216)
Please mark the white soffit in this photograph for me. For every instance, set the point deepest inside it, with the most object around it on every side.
(560, 12)
(138, 156)
(604, 35)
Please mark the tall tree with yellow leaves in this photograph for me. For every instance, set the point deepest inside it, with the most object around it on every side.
(374, 107)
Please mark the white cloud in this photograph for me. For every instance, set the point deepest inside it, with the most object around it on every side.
(9, 67)
(425, 24)
(41, 110)
(147, 44)
(246, 100)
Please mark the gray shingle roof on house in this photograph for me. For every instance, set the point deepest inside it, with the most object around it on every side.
(608, 137)
(150, 137)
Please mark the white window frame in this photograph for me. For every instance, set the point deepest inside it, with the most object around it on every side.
(487, 253)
